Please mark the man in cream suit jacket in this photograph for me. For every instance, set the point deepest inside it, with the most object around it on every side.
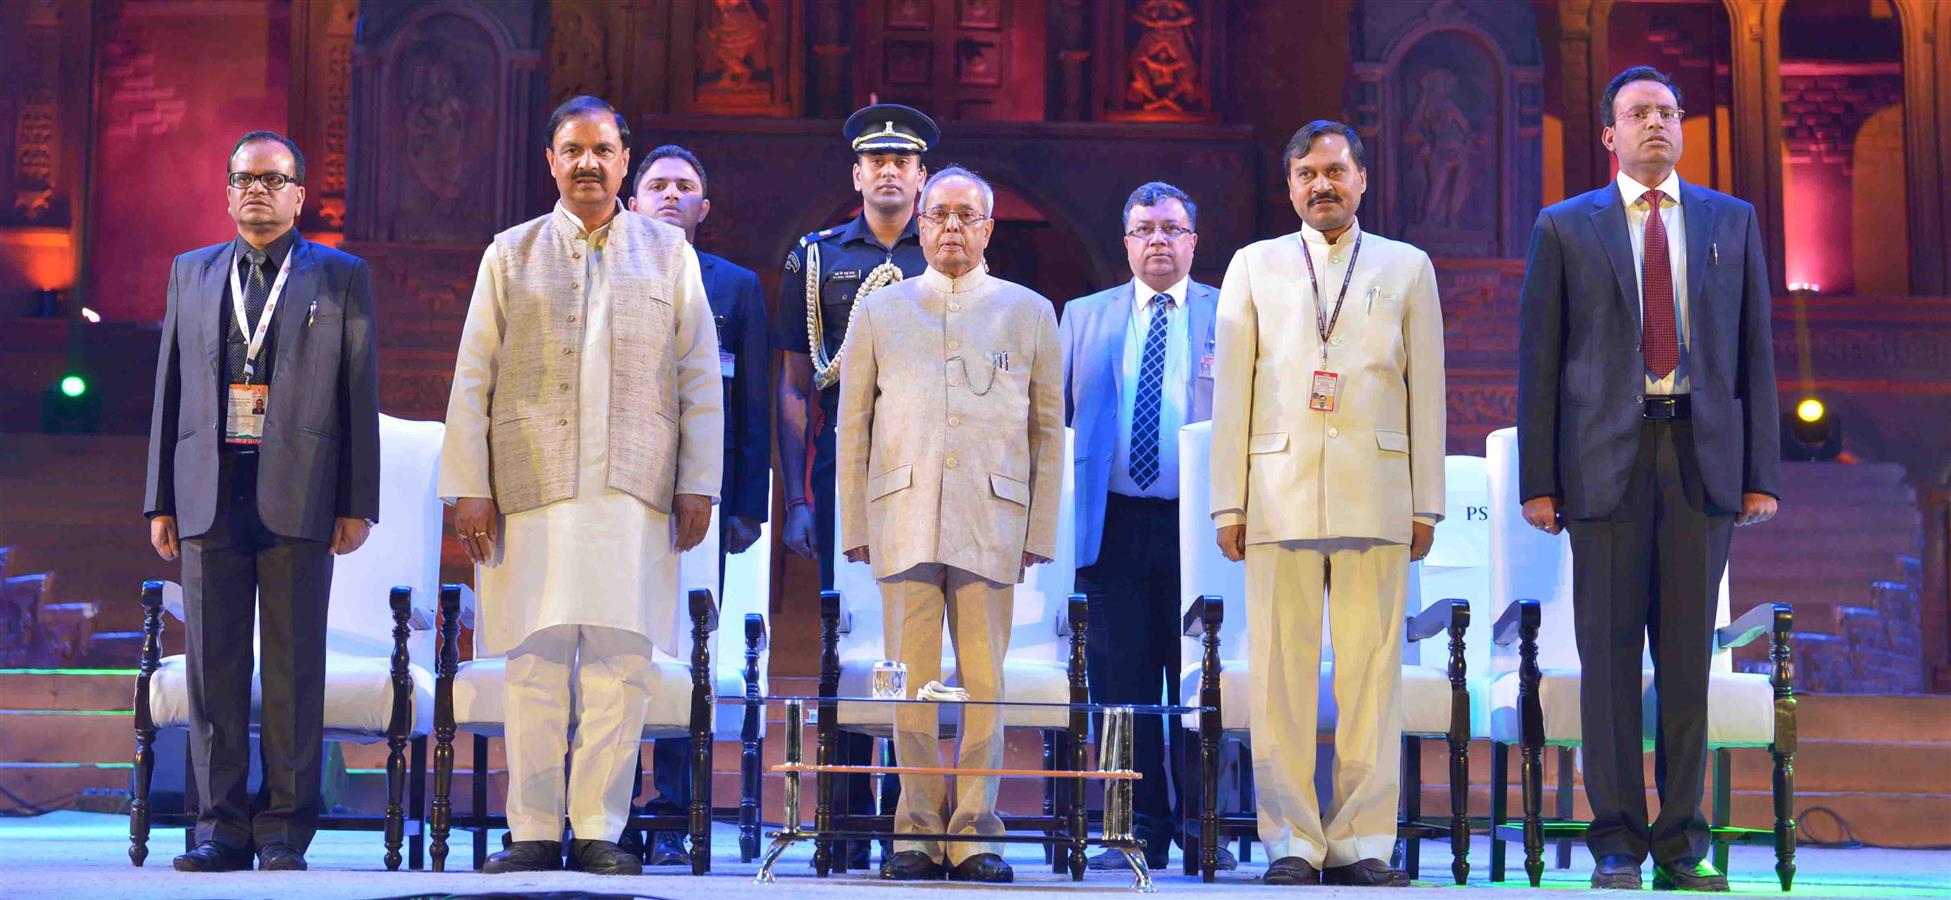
(1328, 422)
(951, 456)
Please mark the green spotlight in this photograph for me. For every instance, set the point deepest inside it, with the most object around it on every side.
(74, 386)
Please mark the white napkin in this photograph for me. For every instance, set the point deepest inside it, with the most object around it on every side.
(936, 690)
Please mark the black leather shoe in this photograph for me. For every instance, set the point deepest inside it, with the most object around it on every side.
(911, 865)
(1688, 875)
(211, 856)
(1616, 872)
(526, 856)
(1367, 873)
(987, 868)
(603, 858)
(1291, 870)
(667, 849)
(279, 858)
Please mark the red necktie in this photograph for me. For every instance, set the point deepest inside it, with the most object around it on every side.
(1661, 338)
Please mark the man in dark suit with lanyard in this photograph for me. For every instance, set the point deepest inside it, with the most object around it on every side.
(670, 186)
(263, 464)
(1647, 424)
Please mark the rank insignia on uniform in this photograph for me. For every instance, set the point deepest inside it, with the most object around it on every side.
(792, 262)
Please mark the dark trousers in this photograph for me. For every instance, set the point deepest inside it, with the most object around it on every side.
(1649, 574)
(1132, 643)
(232, 570)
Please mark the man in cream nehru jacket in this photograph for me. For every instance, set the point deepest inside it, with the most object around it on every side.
(1328, 421)
(585, 438)
(951, 464)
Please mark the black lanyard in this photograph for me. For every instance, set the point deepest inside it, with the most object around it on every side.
(1324, 324)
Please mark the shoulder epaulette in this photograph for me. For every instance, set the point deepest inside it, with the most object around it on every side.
(820, 235)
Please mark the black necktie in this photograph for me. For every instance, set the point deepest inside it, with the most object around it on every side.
(257, 291)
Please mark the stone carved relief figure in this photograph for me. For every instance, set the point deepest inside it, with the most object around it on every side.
(436, 128)
(1440, 135)
(736, 32)
(1163, 72)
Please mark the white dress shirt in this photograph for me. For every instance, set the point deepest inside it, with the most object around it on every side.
(1173, 391)
(1676, 381)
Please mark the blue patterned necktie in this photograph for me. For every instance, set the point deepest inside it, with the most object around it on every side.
(1145, 409)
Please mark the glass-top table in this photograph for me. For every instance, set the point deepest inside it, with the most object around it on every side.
(1113, 768)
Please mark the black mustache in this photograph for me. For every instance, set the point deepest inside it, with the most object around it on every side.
(1317, 198)
(596, 175)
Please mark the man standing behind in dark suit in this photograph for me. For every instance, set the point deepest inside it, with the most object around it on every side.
(1647, 424)
(258, 502)
(670, 187)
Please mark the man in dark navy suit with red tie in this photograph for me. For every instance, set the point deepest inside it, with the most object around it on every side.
(1647, 424)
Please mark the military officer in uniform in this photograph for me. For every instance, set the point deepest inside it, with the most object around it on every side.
(880, 246)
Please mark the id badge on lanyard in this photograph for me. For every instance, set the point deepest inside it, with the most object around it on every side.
(1324, 392)
(245, 404)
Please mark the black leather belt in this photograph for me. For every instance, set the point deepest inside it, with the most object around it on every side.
(1676, 407)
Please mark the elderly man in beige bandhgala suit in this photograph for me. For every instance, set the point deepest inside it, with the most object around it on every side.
(584, 445)
(951, 463)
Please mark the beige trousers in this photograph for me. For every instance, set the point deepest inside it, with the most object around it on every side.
(1365, 584)
(602, 676)
(913, 604)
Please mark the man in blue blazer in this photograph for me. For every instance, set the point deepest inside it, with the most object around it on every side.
(1138, 364)
(1647, 424)
(670, 187)
(263, 463)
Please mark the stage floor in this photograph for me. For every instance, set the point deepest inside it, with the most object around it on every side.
(72, 856)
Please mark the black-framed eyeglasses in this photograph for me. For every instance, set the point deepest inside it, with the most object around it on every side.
(1170, 230)
(272, 181)
(940, 217)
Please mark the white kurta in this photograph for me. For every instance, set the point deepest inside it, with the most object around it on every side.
(604, 557)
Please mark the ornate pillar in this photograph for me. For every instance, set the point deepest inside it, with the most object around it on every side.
(830, 89)
(1755, 26)
(321, 103)
(1070, 57)
(1927, 116)
(1582, 79)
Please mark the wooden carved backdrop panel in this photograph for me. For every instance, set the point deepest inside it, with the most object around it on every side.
(1163, 62)
(437, 152)
(955, 59)
(735, 57)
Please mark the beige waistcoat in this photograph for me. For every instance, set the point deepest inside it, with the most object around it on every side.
(532, 435)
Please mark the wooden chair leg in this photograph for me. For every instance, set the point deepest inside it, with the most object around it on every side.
(416, 852)
(1722, 811)
(446, 668)
(1052, 788)
(1500, 788)
(145, 724)
(1565, 799)
(1781, 654)
(479, 785)
(1412, 804)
